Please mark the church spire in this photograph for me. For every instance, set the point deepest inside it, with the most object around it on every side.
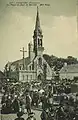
(37, 37)
(37, 25)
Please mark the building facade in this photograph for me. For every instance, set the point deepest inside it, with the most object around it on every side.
(69, 72)
(34, 67)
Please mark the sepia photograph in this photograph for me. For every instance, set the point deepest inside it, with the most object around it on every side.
(38, 59)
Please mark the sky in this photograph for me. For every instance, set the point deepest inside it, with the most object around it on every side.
(58, 21)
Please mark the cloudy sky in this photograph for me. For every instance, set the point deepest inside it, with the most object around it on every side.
(58, 22)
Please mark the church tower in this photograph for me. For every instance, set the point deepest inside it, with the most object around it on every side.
(37, 37)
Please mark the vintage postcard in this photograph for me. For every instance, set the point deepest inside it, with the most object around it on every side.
(38, 59)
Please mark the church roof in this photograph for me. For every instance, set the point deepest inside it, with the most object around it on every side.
(20, 61)
(69, 69)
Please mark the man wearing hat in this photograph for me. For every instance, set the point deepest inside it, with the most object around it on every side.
(44, 114)
(28, 103)
(31, 116)
(19, 116)
(15, 105)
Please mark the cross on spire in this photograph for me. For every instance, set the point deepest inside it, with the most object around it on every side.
(23, 51)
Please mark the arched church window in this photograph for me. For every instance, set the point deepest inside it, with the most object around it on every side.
(45, 70)
(20, 67)
(39, 42)
(33, 66)
(45, 66)
(40, 61)
(29, 67)
(48, 70)
(35, 32)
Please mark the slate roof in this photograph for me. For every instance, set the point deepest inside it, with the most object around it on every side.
(20, 61)
(70, 69)
(27, 61)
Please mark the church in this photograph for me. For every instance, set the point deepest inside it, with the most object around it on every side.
(34, 67)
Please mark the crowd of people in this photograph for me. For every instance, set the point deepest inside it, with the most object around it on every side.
(55, 100)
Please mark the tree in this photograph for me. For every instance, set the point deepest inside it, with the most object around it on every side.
(71, 60)
(58, 63)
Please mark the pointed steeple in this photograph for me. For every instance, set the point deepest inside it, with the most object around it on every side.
(37, 37)
(37, 25)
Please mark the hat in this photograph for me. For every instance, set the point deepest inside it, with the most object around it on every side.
(19, 114)
(31, 114)
(15, 96)
(76, 94)
(47, 110)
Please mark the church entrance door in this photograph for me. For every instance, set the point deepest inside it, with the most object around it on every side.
(40, 77)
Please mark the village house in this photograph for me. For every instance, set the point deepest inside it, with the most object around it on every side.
(69, 72)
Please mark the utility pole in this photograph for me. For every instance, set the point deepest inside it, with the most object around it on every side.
(23, 51)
